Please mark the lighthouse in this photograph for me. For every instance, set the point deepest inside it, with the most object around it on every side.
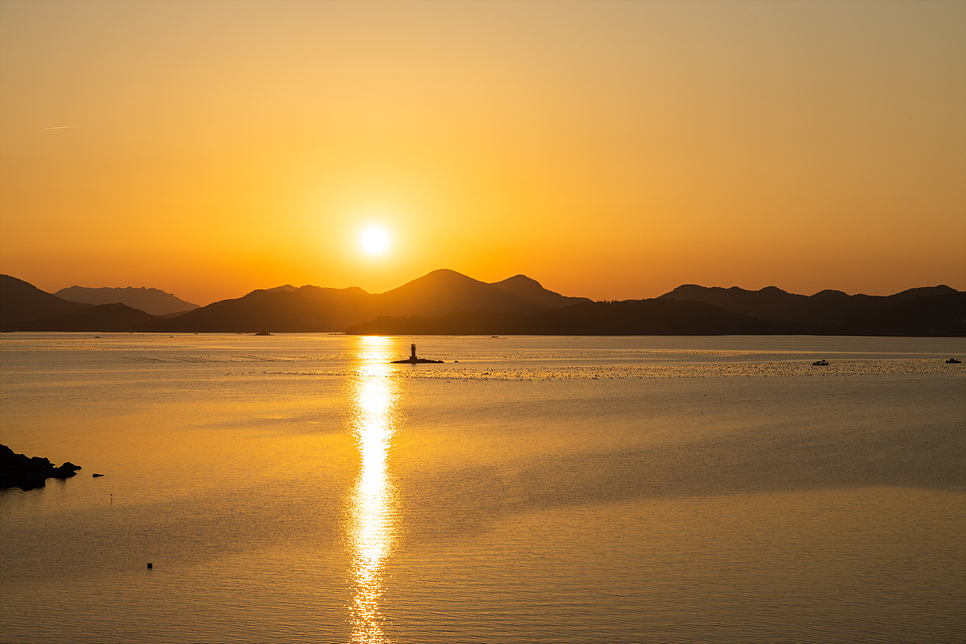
(412, 359)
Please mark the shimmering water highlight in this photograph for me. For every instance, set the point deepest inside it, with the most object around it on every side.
(371, 524)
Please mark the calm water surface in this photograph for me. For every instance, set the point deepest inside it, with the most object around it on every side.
(299, 488)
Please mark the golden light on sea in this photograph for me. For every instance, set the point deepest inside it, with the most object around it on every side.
(373, 398)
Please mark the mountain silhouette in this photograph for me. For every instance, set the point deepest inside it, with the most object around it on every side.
(447, 302)
(149, 300)
(306, 309)
(919, 315)
(446, 291)
(824, 311)
(314, 309)
(22, 302)
(630, 317)
(104, 318)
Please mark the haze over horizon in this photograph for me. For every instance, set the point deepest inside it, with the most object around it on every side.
(607, 150)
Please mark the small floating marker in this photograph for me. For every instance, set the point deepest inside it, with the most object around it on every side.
(150, 566)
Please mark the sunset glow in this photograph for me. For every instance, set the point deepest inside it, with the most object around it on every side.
(610, 150)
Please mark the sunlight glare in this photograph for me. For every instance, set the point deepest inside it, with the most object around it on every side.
(375, 240)
(373, 398)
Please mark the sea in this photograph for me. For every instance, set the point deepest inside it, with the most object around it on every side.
(300, 488)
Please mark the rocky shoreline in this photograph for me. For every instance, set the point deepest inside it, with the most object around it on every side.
(28, 473)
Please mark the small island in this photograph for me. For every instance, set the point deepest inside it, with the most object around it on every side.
(17, 470)
(412, 359)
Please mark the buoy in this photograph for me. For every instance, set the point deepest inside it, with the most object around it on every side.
(150, 566)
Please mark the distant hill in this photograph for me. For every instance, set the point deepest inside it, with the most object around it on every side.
(630, 317)
(446, 302)
(446, 291)
(106, 318)
(149, 300)
(307, 309)
(921, 315)
(314, 309)
(21, 302)
(24, 307)
(823, 311)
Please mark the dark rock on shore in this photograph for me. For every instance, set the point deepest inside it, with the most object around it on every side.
(17, 470)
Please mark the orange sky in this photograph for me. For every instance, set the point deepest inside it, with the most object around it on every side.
(612, 150)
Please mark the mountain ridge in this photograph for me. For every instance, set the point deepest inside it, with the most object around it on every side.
(22, 302)
(825, 309)
(445, 301)
(150, 300)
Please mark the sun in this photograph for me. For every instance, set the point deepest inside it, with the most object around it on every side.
(374, 240)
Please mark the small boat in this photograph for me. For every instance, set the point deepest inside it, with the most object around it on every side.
(820, 363)
(954, 361)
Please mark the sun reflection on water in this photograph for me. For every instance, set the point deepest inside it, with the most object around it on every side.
(373, 397)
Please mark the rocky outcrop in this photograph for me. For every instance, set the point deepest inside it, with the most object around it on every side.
(17, 470)
(416, 361)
